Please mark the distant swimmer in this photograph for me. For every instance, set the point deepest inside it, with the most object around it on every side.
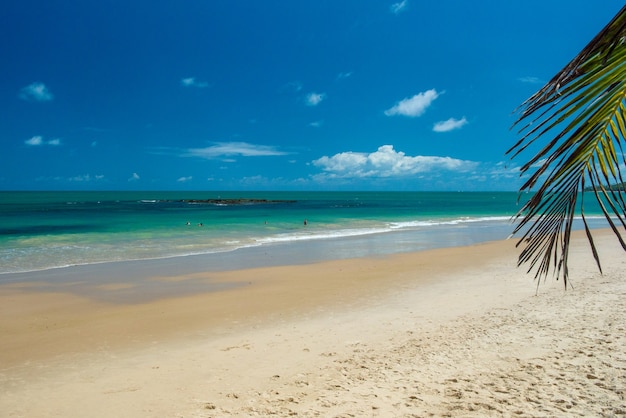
(188, 223)
(200, 224)
(306, 222)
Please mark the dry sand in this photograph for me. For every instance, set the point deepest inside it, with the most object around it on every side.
(453, 332)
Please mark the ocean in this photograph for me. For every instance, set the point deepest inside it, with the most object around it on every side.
(53, 230)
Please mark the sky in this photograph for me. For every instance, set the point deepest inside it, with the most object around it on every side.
(276, 95)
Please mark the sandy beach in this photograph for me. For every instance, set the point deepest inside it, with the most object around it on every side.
(447, 332)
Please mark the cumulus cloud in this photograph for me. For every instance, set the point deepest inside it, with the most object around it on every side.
(316, 124)
(184, 179)
(386, 162)
(413, 106)
(313, 99)
(38, 140)
(229, 149)
(134, 177)
(37, 92)
(192, 82)
(399, 7)
(450, 124)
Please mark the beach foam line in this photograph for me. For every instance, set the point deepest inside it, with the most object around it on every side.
(378, 229)
(455, 221)
(80, 256)
(301, 235)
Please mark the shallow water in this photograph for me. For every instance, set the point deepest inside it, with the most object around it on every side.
(51, 230)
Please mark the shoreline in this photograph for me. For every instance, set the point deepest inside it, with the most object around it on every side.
(301, 331)
(301, 246)
(294, 250)
(267, 253)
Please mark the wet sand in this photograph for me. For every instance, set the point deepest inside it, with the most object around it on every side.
(457, 332)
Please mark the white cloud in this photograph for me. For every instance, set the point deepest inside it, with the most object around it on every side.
(34, 141)
(81, 178)
(414, 106)
(313, 99)
(530, 80)
(224, 149)
(399, 7)
(386, 162)
(84, 178)
(342, 76)
(134, 177)
(38, 140)
(504, 170)
(255, 180)
(344, 162)
(184, 179)
(316, 124)
(192, 82)
(450, 124)
(36, 92)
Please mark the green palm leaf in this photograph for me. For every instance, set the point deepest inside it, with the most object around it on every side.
(582, 111)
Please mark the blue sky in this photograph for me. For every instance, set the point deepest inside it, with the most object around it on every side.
(275, 95)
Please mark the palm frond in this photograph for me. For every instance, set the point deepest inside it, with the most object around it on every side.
(582, 112)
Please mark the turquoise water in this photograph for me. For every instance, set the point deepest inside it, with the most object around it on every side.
(44, 230)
